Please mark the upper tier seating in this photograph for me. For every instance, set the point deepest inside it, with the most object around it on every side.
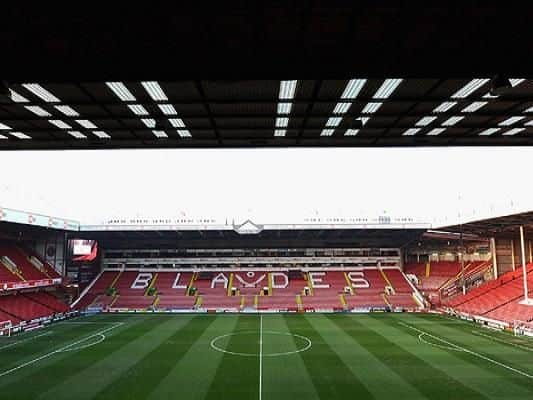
(26, 268)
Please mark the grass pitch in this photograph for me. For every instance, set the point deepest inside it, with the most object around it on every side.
(274, 356)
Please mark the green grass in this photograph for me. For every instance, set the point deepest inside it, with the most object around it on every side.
(291, 356)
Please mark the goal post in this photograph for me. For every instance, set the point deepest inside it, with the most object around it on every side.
(523, 328)
(5, 328)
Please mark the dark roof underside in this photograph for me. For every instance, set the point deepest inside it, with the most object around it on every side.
(220, 65)
(363, 238)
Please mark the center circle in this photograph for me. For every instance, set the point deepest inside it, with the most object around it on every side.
(303, 343)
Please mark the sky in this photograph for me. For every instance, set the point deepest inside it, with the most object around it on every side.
(438, 186)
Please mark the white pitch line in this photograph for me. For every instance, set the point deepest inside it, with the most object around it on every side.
(64, 348)
(260, 355)
(470, 351)
(24, 340)
(526, 348)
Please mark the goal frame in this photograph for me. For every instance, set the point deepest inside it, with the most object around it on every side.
(523, 328)
(5, 328)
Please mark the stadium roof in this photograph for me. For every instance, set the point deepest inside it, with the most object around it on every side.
(507, 225)
(204, 113)
(220, 66)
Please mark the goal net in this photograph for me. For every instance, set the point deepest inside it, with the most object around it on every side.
(522, 328)
(5, 328)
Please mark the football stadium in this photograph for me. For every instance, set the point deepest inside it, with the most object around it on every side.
(306, 200)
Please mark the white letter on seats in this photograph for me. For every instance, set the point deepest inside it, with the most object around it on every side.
(284, 277)
(358, 280)
(220, 278)
(176, 284)
(316, 280)
(142, 281)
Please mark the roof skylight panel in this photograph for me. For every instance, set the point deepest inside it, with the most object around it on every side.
(333, 121)
(2, 137)
(39, 111)
(121, 91)
(149, 122)
(67, 110)
(160, 134)
(411, 131)
(445, 106)
(453, 120)
(167, 109)
(489, 131)
(511, 120)
(327, 132)
(77, 134)
(371, 108)
(287, 89)
(60, 124)
(352, 89)
(436, 131)
(516, 82)
(184, 133)
(4, 126)
(351, 132)
(424, 121)
(469, 88)
(529, 123)
(284, 108)
(41, 92)
(341, 108)
(176, 122)
(387, 88)
(155, 91)
(20, 135)
(17, 98)
(282, 122)
(513, 131)
(86, 124)
(138, 109)
(101, 134)
(473, 107)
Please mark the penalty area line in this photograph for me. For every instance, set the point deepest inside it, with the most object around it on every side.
(464, 349)
(62, 349)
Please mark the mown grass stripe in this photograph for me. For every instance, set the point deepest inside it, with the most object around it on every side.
(237, 377)
(376, 375)
(192, 375)
(284, 377)
(428, 380)
(29, 383)
(95, 376)
(461, 335)
(144, 376)
(331, 378)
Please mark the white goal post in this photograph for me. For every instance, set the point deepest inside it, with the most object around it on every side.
(522, 328)
(5, 328)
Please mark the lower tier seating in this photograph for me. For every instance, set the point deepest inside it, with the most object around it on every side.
(237, 290)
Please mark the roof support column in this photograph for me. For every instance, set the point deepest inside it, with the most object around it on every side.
(494, 260)
(524, 268)
(513, 263)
